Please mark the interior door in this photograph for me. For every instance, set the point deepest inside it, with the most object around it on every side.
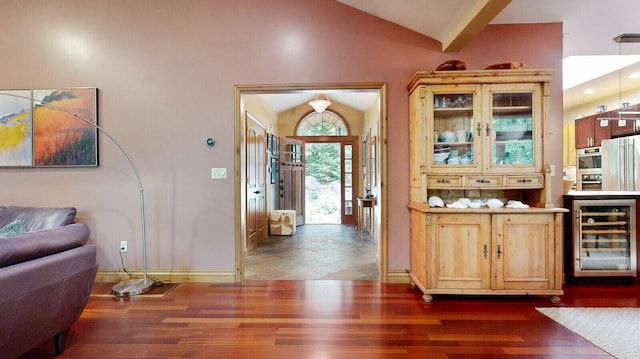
(256, 164)
(292, 175)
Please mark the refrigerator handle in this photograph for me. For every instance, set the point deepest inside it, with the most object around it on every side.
(625, 148)
(631, 184)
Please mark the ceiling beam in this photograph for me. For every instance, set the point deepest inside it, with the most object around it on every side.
(478, 17)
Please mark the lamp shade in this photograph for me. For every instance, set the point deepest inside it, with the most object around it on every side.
(320, 103)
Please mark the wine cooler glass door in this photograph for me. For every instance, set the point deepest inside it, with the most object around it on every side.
(605, 242)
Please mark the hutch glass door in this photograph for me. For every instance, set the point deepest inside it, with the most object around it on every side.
(453, 125)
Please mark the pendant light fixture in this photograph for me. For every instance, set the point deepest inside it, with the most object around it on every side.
(622, 121)
(320, 103)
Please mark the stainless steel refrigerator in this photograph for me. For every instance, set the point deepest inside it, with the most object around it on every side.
(621, 164)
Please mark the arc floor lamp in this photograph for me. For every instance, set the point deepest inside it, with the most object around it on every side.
(129, 287)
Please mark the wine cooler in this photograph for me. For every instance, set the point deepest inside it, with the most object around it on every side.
(604, 242)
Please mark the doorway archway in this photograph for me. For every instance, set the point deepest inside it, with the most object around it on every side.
(377, 112)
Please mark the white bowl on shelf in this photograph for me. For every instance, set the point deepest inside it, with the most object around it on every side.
(449, 136)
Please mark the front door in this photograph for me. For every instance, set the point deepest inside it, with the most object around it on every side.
(292, 176)
(347, 162)
(256, 163)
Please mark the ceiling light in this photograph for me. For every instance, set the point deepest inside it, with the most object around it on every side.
(622, 121)
(320, 103)
(634, 75)
(589, 91)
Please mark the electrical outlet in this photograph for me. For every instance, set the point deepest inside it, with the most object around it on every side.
(123, 246)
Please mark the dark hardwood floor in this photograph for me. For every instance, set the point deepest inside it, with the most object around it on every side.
(329, 319)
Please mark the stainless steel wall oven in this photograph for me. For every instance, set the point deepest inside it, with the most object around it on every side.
(589, 169)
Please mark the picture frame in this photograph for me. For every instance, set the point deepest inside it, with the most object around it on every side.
(65, 131)
(276, 146)
(269, 143)
(16, 128)
(374, 162)
(364, 154)
(274, 169)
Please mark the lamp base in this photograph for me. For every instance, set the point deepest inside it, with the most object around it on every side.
(132, 287)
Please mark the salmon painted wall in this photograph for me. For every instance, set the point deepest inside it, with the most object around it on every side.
(166, 72)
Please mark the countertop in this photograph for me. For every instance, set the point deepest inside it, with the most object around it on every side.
(603, 194)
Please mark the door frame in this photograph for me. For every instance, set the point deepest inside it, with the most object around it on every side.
(240, 123)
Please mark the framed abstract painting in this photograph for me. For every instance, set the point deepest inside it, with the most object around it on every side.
(16, 128)
(64, 127)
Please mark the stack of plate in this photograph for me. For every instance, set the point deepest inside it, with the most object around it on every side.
(440, 157)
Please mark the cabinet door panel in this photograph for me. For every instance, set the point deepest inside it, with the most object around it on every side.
(629, 128)
(524, 251)
(600, 133)
(584, 132)
(589, 133)
(418, 248)
(459, 243)
(451, 117)
(513, 128)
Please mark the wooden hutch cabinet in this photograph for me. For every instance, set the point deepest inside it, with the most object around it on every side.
(480, 135)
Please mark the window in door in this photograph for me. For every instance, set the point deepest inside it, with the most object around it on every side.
(326, 123)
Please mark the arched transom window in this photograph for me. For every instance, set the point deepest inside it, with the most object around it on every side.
(326, 123)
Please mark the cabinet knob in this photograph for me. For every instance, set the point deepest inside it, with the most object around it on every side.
(524, 180)
(499, 251)
(482, 180)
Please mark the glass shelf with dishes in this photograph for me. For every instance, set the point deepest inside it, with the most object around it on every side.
(453, 121)
(513, 130)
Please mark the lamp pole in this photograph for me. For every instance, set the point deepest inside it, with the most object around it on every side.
(133, 286)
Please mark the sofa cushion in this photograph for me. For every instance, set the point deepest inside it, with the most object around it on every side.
(12, 229)
(27, 246)
(38, 218)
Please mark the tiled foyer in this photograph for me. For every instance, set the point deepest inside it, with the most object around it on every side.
(321, 251)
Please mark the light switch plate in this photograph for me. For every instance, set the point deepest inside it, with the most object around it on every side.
(553, 170)
(218, 173)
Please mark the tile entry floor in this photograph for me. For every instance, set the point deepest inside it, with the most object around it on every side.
(317, 251)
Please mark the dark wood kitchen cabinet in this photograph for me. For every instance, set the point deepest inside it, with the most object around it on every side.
(630, 127)
(589, 133)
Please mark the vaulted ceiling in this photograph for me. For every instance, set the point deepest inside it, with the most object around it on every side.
(589, 27)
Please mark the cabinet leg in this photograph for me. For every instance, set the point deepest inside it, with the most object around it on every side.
(427, 298)
(554, 299)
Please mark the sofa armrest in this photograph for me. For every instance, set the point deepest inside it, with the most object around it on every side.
(43, 297)
(30, 245)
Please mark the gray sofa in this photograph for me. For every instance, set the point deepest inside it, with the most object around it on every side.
(46, 275)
